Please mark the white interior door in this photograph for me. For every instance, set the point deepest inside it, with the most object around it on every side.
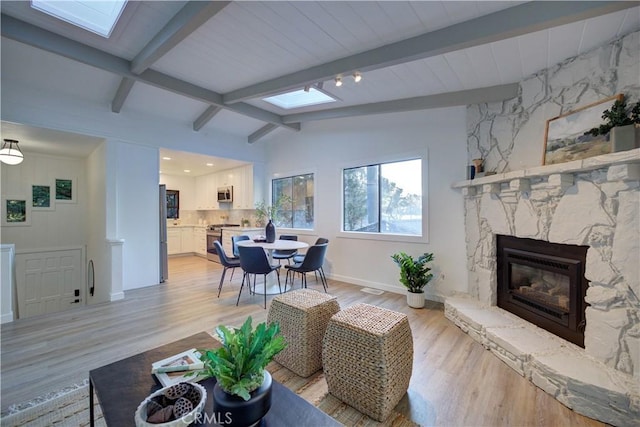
(48, 282)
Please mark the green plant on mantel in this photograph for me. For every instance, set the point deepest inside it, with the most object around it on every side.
(239, 364)
(618, 115)
(415, 274)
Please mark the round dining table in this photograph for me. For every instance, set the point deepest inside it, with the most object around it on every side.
(271, 285)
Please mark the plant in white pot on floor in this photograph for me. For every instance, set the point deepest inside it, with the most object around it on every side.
(415, 274)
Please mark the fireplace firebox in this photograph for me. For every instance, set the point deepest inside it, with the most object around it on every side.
(544, 283)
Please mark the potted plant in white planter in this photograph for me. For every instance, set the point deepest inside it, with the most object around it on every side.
(621, 123)
(415, 274)
(243, 387)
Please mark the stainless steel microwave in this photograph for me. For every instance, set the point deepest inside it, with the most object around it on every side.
(225, 194)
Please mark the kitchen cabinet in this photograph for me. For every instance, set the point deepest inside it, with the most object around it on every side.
(200, 241)
(206, 192)
(180, 240)
(245, 189)
(186, 239)
(235, 231)
(174, 241)
(243, 196)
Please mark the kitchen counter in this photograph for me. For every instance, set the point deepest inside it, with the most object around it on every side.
(186, 225)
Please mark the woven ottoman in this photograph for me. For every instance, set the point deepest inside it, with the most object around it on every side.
(303, 316)
(367, 357)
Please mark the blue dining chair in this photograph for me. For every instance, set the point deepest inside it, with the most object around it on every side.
(226, 262)
(312, 261)
(253, 260)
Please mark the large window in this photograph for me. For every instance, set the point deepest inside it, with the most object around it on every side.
(294, 198)
(384, 198)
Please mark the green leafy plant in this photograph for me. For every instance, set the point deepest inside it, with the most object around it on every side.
(266, 212)
(618, 115)
(239, 364)
(415, 274)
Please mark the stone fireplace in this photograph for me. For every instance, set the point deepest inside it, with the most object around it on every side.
(594, 205)
(543, 283)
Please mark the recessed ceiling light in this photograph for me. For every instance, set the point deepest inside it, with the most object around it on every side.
(187, 170)
(166, 158)
(209, 164)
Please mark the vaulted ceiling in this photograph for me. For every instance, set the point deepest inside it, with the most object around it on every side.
(207, 65)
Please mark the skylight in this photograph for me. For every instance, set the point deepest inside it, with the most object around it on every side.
(300, 98)
(96, 16)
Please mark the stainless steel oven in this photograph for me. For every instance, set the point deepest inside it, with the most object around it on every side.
(213, 235)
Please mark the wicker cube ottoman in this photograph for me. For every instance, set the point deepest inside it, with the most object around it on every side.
(367, 357)
(303, 316)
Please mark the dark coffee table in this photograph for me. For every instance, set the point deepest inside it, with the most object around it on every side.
(122, 385)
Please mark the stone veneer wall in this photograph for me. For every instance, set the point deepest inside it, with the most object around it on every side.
(594, 208)
(509, 135)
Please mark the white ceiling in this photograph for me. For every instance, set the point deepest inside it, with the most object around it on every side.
(245, 49)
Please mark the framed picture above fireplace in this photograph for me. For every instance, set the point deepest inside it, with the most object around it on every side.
(565, 138)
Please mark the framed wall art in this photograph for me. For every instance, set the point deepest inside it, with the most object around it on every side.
(565, 138)
(16, 211)
(66, 190)
(42, 197)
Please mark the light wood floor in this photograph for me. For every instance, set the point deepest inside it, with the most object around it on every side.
(455, 382)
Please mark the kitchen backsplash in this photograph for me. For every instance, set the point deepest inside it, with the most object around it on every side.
(215, 217)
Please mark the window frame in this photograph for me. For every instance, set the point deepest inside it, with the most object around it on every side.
(278, 176)
(391, 237)
(176, 193)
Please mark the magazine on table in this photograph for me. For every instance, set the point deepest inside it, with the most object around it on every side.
(178, 368)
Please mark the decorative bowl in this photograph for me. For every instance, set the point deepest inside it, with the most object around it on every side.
(190, 417)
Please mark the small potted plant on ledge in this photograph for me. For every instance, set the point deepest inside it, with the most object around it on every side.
(243, 387)
(415, 274)
(622, 125)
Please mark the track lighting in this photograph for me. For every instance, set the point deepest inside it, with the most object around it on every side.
(357, 76)
(338, 81)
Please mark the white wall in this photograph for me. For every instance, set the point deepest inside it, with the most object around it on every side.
(325, 147)
(138, 213)
(187, 187)
(97, 249)
(66, 224)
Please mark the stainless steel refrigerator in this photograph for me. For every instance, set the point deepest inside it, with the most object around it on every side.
(164, 267)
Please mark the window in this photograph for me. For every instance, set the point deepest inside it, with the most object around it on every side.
(383, 198)
(173, 204)
(294, 198)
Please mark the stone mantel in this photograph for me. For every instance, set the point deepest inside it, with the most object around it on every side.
(630, 157)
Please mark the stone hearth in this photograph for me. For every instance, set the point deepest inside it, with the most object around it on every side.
(593, 202)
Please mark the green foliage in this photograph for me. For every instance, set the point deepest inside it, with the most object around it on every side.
(239, 364)
(415, 274)
(266, 212)
(618, 115)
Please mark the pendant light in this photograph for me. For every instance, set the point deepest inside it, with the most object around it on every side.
(10, 152)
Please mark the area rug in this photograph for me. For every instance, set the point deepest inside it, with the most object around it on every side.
(70, 407)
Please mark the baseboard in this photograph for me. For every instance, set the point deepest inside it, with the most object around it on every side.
(7, 317)
(382, 286)
(117, 296)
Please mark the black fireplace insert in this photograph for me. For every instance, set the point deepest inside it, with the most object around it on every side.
(544, 283)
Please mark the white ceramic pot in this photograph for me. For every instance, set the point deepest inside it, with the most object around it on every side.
(415, 300)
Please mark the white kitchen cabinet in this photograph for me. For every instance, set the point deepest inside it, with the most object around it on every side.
(186, 240)
(174, 241)
(228, 232)
(206, 191)
(200, 241)
(243, 191)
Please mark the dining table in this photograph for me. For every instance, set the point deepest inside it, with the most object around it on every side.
(271, 284)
